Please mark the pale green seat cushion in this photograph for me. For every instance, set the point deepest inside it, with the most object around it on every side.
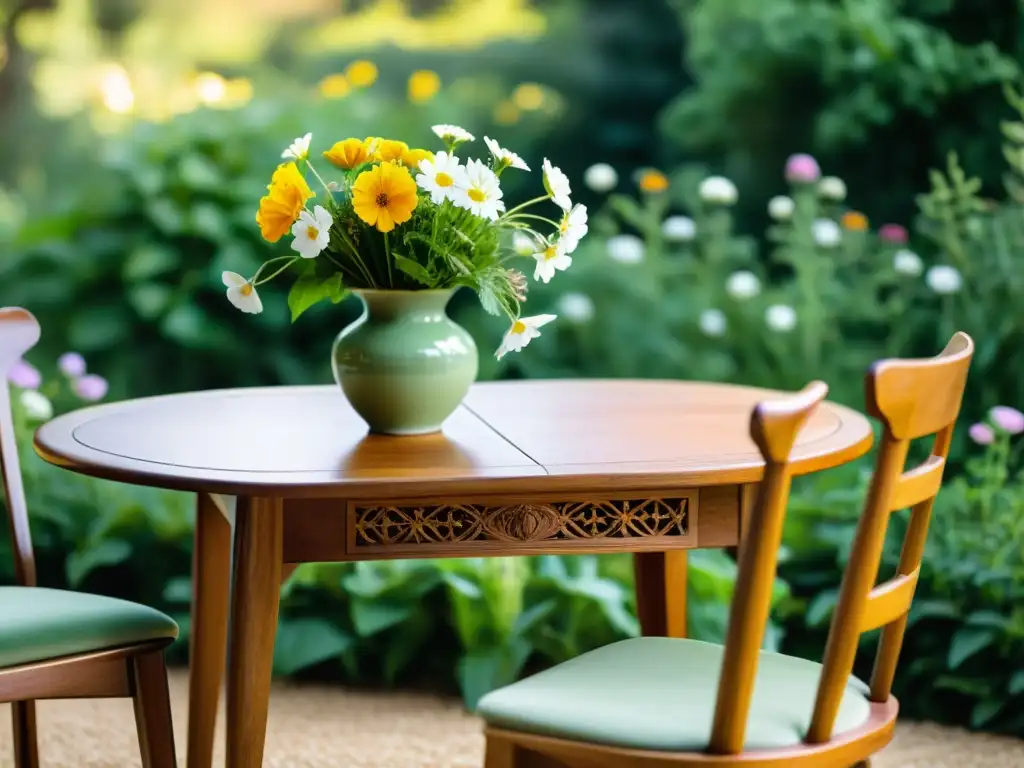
(38, 624)
(658, 693)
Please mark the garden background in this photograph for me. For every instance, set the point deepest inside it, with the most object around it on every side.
(137, 135)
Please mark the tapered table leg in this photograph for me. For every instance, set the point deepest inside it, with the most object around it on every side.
(211, 585)
(661, 592)
(257, 567)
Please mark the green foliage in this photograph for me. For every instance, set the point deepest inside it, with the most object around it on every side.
(844, 80)
(965, 636)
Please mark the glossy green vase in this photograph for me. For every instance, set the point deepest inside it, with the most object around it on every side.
(404, 365)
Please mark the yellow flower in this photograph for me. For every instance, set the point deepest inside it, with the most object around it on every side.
(423, 86)
(390, 150)
(348, 153)
(653, 181)
(413, 157)
(855, 221)
(288, 193)
(506, 113)
(361, 73)
(528, 96)
(335, 86)
(384, 196)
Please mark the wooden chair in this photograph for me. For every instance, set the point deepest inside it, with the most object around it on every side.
(57, 644)
(669, 702)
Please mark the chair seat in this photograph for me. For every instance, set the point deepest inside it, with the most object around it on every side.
(37, 624)
(658, 693)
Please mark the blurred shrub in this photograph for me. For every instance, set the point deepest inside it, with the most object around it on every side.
(845, 80)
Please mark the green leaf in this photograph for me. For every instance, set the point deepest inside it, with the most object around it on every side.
(821, 607)
(149, 260)
(413, 269)
(178, 590)
(984, 711)
(303, 643)
(932, 609)
(370, 617)
(988, 619)
(967, 642)
(310, 289)
(150, 300)
(483, 670)
(1016, 683)
(105, 553)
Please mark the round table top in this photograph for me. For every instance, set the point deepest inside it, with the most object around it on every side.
(507, 437)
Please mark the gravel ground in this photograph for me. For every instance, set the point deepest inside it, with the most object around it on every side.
(326, 726)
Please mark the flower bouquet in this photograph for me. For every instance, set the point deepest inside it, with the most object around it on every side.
(403, 228)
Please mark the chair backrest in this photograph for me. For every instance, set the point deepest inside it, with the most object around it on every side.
(19, 332)
(912, 399)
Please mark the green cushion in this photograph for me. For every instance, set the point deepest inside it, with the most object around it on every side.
(658, 693)
(38, 624)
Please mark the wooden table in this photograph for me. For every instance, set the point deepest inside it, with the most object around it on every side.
(652, 468)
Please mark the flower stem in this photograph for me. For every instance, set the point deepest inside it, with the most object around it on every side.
(519, 207)
(267, 263)
(320, 179)
(531, 216)
(291, 260)
(387, 258)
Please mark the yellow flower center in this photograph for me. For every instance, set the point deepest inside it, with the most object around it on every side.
(550, 252)
(443, 179)
(382, 200)
(564, 226)
(312, 233)
(518, 327)
(476, 195)
(246, 290)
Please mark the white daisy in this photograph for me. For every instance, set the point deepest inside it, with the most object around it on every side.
(298, 149)
(452, 134)
(557, 185)
(438, 176)
(506, 158)
(553, 256)
(826, 233)
(573, 227)
(242, 293)
(718, 190)
(312, 232)
(626, 249)
(906, 262)
(478, 191)
(780, 317)
(712, 322)
(679, 229)
(523, 330)
(781, 207)
(577, 307)
(743, 284)
(601, 177)
(944, 279)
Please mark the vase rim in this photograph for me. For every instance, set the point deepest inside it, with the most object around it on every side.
(395, 291)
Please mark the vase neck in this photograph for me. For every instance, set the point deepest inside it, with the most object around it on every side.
(387, 305)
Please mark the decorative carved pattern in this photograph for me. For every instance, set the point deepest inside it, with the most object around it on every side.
(444, 524)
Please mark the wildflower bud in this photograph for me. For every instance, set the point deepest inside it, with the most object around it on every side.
(576, 307)
(943, 279)
(893, 233)
(712, 323)
(718, 190)
(780, 317)
(626, 249)
(743, 285)
(37, 406)
(802, 169)
(71, 364)
(24, 375)
(907, 262)
(1007, 419)
(832, 188)
(90, 387)
(601, 177)
(679, 229)
(781, 207)
(826, 233)
(982, 434)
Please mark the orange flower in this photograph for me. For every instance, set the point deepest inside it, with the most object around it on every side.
(384, 196)
(348, 154)
(653, 181)
(388, 150)
(413, 157)
(855, 221)
(288, 193)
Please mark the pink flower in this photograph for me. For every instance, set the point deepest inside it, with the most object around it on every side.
(90, 387)
(802, 168)
(71, 364)
(893, 233)
(982, 434)
(24, 375)
(1007, 419)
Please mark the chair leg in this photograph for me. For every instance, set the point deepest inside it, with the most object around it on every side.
(26, 748)
(661, 592)
(153, 710)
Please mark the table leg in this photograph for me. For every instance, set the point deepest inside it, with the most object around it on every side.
(661, 592)
(211, 584)
(257, 591)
